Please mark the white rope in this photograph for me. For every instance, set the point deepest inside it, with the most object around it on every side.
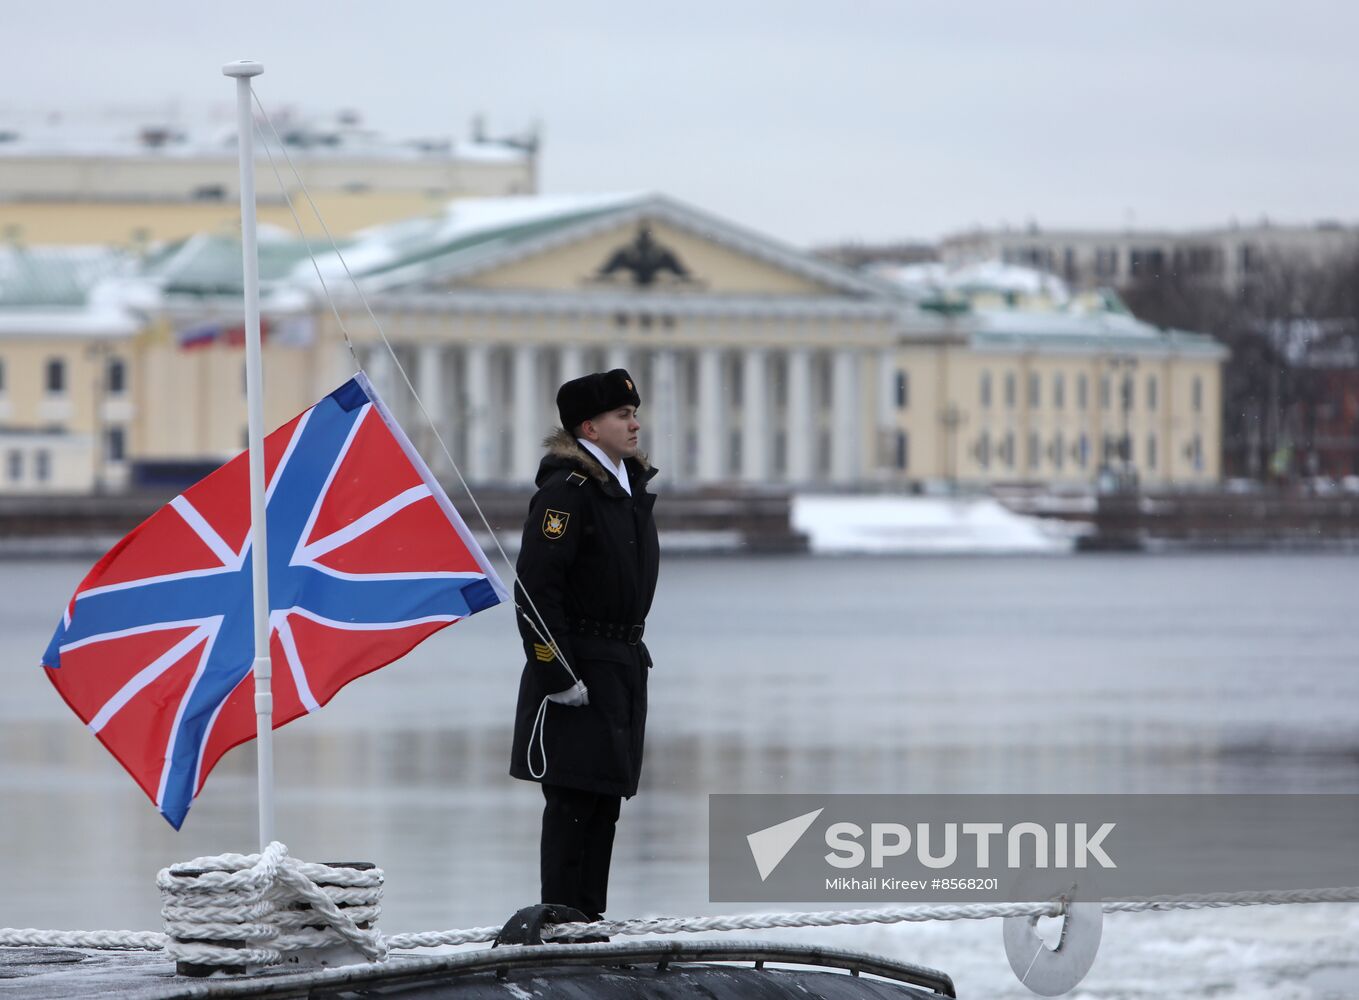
(539, 732)
(29, 937)
(1201, 902)
(255, 909)
(244, 876)
(544, 634)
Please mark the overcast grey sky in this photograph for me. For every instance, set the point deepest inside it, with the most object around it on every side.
(812, 121)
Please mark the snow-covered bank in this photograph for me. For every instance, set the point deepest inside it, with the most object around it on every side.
(933, 525)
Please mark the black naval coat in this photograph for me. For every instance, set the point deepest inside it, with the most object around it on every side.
(589, 557)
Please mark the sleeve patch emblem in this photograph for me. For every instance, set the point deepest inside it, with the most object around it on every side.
(554, 523)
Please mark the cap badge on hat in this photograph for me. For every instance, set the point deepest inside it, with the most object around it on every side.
(629, 383)
(554, 523)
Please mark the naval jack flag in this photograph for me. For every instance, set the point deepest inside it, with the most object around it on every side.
(367, 558)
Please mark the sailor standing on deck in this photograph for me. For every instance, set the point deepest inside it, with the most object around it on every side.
(587, 572)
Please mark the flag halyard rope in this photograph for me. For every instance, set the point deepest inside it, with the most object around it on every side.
(539, 627)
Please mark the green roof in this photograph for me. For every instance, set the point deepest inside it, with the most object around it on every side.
(211, 265)
(55, 276)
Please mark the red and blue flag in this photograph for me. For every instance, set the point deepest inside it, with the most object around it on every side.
(367, 558)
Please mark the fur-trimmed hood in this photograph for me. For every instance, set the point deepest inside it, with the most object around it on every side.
(563, 449)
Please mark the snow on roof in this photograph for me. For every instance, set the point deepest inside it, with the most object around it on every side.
(487, 152)
(1049, 310)
(975, 277)
(84, 321)
(116, 134)
(1064, 322)
(56, 276)
(463, 223)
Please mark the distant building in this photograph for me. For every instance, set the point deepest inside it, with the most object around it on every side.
(132, 182)
(1225, 257)
(759, 363)
(1026, 382)
(67, 390)
(868, 254)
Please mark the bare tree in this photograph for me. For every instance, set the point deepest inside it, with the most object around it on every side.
(1279, 326)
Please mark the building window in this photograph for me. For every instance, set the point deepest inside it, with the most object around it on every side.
(56, 376)
(1082, 451)
(1196, 394)
(1035, 456)
(42, 465)
(1058, 455)
(1151, 451)
(984, 450)
(2, 376)
(1035, 390)
(985, 389)
(1104, 389)
(1127, 393)
(1146, 263)
(1010, 389)
(14, 465)
(903, 391)
(903, 450)
(780, 453)
(115, 444)
(1106, 262)
(1151, 392)
(1007, 450)
(1081, 390)
(1058, 391)
(116, 377)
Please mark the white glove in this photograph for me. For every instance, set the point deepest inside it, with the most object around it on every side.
(576, 694)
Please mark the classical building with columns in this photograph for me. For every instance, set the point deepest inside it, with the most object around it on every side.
(759, 364)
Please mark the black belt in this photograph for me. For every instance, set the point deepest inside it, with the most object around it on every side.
(631, 634)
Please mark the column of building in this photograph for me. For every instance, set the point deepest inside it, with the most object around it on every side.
(845, 439)
(754, 415)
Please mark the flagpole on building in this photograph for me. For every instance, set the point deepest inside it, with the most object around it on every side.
(243, 71)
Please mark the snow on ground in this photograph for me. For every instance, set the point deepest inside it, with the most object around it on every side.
(935, 525)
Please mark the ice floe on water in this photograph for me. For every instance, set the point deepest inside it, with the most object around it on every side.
(936, 525)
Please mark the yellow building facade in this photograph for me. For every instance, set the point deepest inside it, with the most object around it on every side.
(758, 364)
(138, 185)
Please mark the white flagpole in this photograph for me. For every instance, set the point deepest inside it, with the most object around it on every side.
(264, 698)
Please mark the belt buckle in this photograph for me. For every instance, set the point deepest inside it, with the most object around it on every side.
(635, 634)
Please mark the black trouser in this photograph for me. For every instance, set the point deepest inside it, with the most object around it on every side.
(576, 847)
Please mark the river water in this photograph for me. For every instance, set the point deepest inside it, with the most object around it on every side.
(1167, 673)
